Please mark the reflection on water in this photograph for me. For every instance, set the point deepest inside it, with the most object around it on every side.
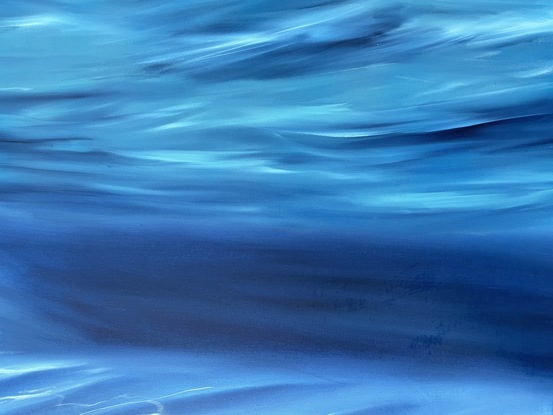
(143, 382)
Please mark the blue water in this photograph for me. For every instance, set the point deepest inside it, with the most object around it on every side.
(260, 207)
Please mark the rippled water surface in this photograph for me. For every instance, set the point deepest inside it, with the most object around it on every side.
(260, 207)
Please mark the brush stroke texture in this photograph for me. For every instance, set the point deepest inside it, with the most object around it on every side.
(242, 199)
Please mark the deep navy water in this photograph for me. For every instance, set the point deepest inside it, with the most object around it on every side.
(276, 207)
